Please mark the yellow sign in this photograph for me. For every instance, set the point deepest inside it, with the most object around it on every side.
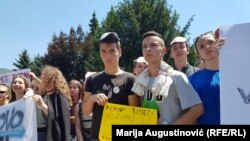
(115, 114)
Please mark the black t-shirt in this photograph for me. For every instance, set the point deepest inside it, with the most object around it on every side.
(116, 87)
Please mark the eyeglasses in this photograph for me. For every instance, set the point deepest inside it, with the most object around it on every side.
(1, 92)
(198, 37)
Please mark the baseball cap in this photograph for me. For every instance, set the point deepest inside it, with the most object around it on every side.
(109, 37)
(141, 60)
(178, 40)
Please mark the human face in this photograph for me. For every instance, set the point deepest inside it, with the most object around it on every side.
(139, 67)
(74, 90)
(3, 91)
(179, 51)
(152, 50)
(110, 54)
(206, 48)
(43, 78)
(18, 86)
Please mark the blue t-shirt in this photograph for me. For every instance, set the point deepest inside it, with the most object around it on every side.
(207, 85)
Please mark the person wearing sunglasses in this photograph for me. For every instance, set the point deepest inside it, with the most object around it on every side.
(206, 81)
(165, 89)
(4, 94)
(179, 52)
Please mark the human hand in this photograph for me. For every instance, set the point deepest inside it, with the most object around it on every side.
(28, 92)
(32, 75)
(100, 98)
(219, 42)
(39, 100)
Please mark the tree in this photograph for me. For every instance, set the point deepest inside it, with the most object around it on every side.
(92, 42)
(68, 53)
(94, 24)
(36, 65)
(132, 18)
(24, 60)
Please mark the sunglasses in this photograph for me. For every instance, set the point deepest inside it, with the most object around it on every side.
(203, 34)
(1, 92)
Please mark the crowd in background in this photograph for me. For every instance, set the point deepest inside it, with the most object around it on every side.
(73, 110)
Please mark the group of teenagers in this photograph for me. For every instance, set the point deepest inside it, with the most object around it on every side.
(182, 94)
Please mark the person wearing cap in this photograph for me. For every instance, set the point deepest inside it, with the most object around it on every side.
(110, 85)
(165, 89)
(207, 81)
(179, 52)
(140, 64)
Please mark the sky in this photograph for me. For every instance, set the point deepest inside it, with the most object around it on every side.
(30, 24)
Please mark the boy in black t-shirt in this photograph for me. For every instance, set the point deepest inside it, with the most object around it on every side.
(110, 85)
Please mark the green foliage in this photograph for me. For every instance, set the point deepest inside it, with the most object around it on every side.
(77, 52)
(36, 65)
(94, 24)
(132, 18)
(24, 60)
(68, 53)
(94, 62)
(192, 57)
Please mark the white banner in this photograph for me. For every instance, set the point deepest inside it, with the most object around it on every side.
(234, 74)
(7, 77)
(18, 121)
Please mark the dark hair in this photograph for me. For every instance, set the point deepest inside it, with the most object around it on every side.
(198, 37)
(151, 33)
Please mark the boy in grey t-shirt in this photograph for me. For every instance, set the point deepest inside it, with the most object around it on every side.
(165, 89)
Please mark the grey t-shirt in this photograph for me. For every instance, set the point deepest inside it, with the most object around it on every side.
(180, 96)
(42, 120)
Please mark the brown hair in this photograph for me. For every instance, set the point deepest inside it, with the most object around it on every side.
(26, 83)
(79, 85)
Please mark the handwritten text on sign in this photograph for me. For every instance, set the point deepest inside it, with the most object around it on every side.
(122, 114)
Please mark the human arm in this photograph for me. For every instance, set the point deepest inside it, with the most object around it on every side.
(190, 115)
(133, 100)
(90, 99)
(40, 103)
(78, 124)
(190, 102)
(34, 77)
(72, 119)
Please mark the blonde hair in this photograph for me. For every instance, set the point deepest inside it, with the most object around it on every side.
(35, 85)
(55, 77)
(7, 96)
